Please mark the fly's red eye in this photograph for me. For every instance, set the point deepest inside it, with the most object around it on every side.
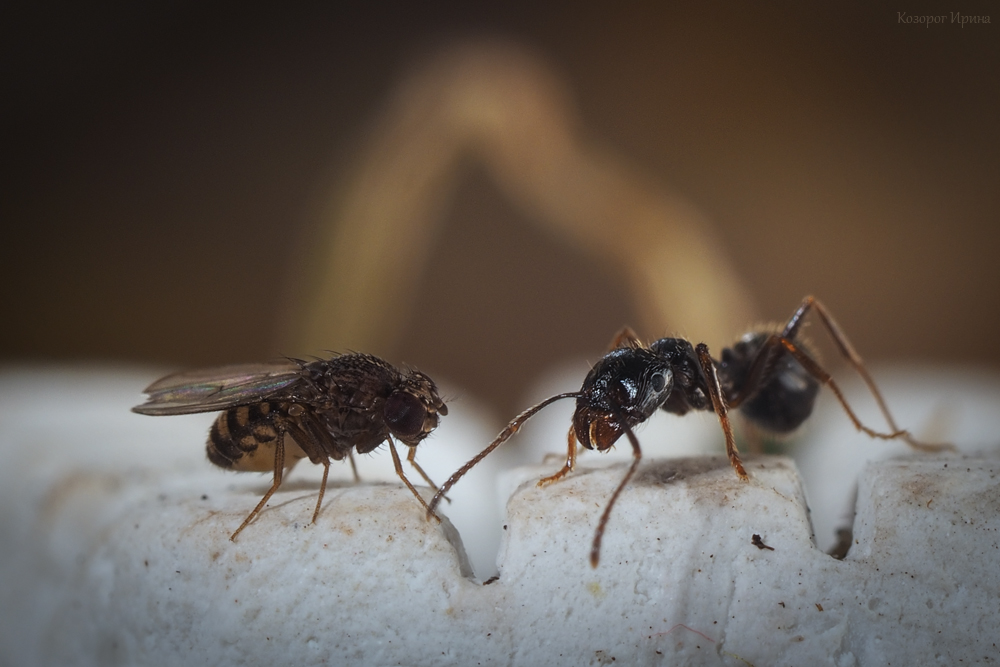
(405, 414)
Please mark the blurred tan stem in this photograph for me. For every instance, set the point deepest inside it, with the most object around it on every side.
(499, 106)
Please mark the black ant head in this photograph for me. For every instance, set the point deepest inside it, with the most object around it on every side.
(624, 388)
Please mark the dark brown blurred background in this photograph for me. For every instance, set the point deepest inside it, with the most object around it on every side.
(160, 162)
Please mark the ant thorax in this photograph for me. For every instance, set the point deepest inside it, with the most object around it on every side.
(690, 385)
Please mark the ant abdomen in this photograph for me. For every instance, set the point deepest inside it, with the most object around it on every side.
(783, 401)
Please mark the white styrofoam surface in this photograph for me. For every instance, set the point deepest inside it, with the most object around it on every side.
(114, 550)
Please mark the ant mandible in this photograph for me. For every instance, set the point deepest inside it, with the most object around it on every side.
(768, 376)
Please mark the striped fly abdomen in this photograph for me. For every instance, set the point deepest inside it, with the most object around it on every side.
(244, 438)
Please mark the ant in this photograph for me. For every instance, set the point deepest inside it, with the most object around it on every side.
(770, 377)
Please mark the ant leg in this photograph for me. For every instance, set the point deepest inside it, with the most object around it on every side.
(719, 404)
(795, 323)
(354, 467)
(411, 459)
(595, 547)
(848, 352)
(570, 460)
(402, 476)
(322, 489)
(625, 338)
(279, 467)
(817, 372)
(504, 435)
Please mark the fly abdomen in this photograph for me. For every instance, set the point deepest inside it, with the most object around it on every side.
(243, 438)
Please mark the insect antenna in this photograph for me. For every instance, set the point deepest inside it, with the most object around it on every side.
(411, 459)
(595, 547)
(399, 471)
(504, 435)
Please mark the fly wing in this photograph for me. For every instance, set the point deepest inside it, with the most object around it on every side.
(213, 389)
